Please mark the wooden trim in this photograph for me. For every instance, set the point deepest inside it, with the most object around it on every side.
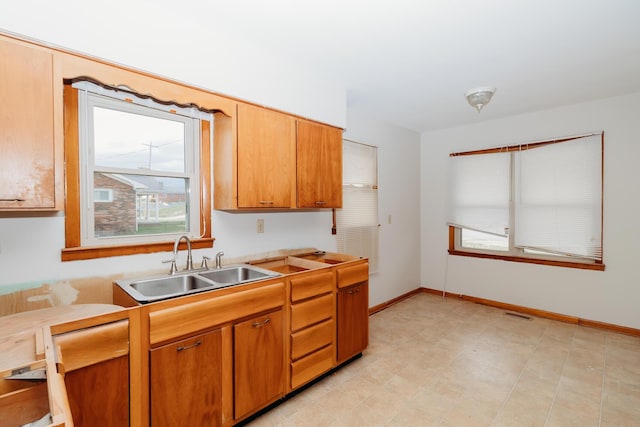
(91, 252)
(88, 322)
(387, 304)
(72, 168)
(58, 400)
(569, 264)
(138, 367)
(538, 313)
(205, 179)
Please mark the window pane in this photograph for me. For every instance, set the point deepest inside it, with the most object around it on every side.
(485, 241)
(140, 205)
(133, 141)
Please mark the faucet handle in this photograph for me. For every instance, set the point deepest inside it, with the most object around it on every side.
(173, 268)
(204, 262)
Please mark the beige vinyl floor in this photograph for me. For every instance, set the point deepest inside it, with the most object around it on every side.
(448, 362)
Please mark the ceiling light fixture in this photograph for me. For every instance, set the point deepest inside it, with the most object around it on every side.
(480, 96)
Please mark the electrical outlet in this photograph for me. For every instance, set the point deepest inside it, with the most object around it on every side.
(260, 226)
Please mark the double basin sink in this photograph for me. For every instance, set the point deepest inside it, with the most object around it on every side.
(192, 281)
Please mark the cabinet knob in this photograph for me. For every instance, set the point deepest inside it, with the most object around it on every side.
(261, 324)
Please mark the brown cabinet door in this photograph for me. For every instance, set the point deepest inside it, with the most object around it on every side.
(266, 158)
(99, 394)
(319, 166)
(353, 320)
(26, 128)
(259, 362)
(186, 382)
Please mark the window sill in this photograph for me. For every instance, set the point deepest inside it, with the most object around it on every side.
(92, 252)
(568, 264)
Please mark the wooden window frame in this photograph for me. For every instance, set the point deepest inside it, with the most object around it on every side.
(73, 249)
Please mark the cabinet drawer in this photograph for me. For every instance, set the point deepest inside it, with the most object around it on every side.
(311, 366)
(310, 286)
(354, 274)
(311, 311)
(188, 318)
(309, 340)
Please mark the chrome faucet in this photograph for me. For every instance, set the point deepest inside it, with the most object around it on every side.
(189, 265)
(219, 259)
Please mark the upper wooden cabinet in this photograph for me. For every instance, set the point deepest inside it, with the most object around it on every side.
(319, 166)
(276, 162)
(27, 163)
(266, 158)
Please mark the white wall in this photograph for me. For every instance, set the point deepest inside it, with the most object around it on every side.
(612, 296)
(398, 198)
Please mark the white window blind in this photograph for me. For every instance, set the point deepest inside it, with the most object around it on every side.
(479, 192)
(357, 221)
(558, 198)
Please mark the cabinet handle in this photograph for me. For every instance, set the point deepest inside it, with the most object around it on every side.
(353, 291)
(261, 324)
(14, 199)
(266, 202)
(321, 202)
(187, 347)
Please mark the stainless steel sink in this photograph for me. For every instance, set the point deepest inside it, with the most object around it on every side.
(170, 285)
(163, 287)
(237, 274)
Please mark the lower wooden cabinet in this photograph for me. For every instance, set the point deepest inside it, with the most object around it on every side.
(353, 310)
(353, 320)
(99, 394)
(258, 362)
(186, 382)
(95, 362)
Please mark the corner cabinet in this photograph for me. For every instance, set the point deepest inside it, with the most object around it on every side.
(271, 160)
(319, 166)
(27, 165)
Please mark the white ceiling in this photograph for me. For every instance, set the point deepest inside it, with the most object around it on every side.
(407, 62)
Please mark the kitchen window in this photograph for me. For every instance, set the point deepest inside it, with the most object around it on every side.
(138, 171)
(357, 221)
(539, 202)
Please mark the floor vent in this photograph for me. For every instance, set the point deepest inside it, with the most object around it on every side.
(522, 316)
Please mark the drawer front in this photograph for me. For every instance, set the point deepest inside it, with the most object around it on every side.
(311, 339)
(185, 319)
(355, 274)
(312, 311)
(311, 366)
(310, 286)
